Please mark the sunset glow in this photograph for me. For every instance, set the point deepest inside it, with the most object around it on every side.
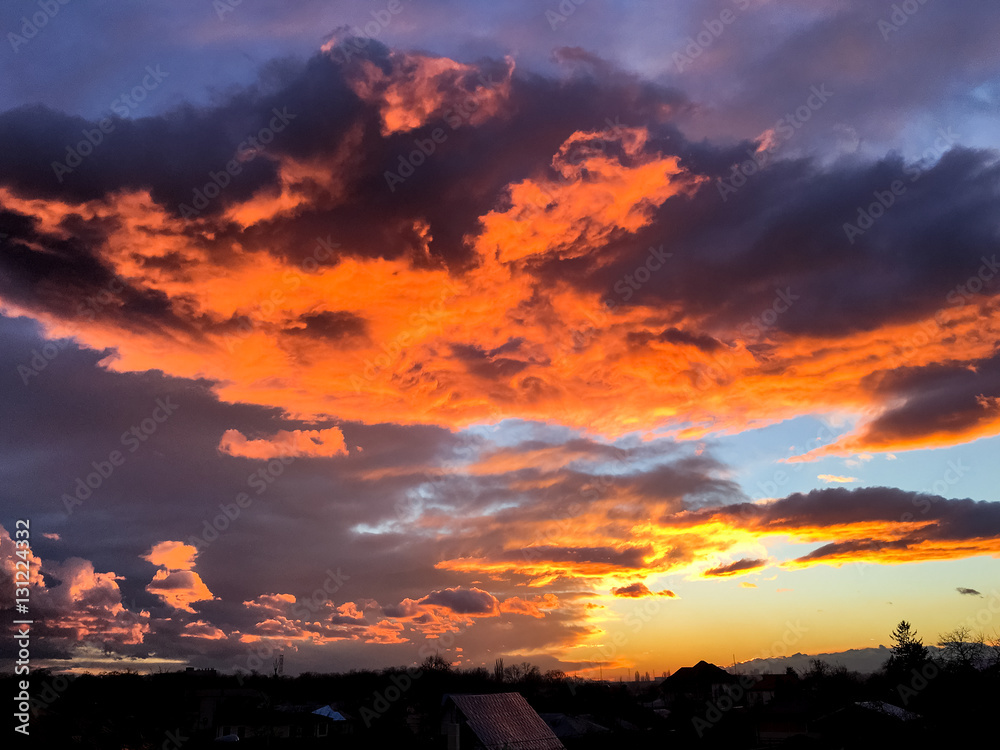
(513, 344)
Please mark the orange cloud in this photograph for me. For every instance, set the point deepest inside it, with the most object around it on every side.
(573, 216)
(175, 582)
(638, 590)
(834, 478)
(172, 555)
(291, 621)
(356, 336)
(203, 630)
(419, 88)
(533, 607)
(179, 588)
(86, 607)
(313, 443)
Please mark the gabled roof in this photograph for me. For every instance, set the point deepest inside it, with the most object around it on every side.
(888, 709)
(505, 720)
(329, 713)
(700, 676)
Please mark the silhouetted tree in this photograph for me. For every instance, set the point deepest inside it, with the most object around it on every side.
(436, 663)
(963, 650)
(907, 653)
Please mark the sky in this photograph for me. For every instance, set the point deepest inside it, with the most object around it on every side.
(609, 336)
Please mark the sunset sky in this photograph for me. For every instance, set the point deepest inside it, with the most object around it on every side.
(604, 335)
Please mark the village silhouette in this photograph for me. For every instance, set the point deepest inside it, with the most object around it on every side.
(921, 697)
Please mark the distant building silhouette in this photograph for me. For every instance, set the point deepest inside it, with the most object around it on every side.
(701, 682)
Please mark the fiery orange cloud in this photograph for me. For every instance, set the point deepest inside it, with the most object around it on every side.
(175, 582)
(328, 442)
(533, 607)
(638, 590)
(353, 337)
(573, 216)
(179, 588)
(876, 525)
(419, 88)
(172, 555)
(290, 621)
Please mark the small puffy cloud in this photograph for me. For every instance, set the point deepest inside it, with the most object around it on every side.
(312, 443)
(204, 630)
(179, 588)
(967, 592)
(638, 590)
(172, 555)
(272, 604)
(834, 478)
(747, 585)
(175, 582)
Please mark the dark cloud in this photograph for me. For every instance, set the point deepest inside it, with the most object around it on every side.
(331, 325)
(967, 592)
(638, 590)
(938, 398)
(463, 601)
(744, 565)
